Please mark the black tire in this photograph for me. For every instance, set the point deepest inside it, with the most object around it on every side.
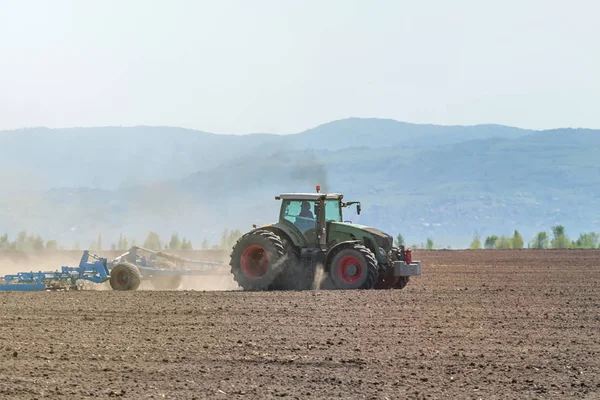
(125, 276)
(402, 282)
(257, 259)
(353, 267)
(166, 282)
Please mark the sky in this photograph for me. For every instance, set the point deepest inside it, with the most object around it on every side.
(284, 66)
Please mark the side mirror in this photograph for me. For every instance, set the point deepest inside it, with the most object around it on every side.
(358, 208)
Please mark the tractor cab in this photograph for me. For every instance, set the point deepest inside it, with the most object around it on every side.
(311, 213)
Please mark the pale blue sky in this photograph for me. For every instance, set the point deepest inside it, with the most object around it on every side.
(285, 66)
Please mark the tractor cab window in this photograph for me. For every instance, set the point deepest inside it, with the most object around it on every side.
(333, 211)
(300, 213)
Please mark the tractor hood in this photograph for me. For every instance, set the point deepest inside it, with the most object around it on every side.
(382, 239)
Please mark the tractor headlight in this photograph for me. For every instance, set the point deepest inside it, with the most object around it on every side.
(382, 252)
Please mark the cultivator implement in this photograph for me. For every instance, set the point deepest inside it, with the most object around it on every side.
(65, 278)
(157, 257)
(126, 272)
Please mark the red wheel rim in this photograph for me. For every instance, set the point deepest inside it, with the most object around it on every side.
(255, 262)
(349, 269)
(122, 278)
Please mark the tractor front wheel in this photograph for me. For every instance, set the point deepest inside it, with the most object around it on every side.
(257, 259)
(125, 276)
(354, 267)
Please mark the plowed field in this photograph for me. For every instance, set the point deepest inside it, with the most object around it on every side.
(475, 325)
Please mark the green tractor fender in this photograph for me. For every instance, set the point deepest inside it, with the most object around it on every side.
(291, 234)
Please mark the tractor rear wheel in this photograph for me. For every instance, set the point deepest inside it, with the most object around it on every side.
(166, 282)
(125, 276)
(354, 267)
(257, 259)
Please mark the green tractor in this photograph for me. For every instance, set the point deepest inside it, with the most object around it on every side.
(312, 247)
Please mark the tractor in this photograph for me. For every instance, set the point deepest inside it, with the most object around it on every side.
(312, 247)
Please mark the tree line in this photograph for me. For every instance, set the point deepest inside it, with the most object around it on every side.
(542, 240)
(557, 239)
(26, 243)
(29, 243)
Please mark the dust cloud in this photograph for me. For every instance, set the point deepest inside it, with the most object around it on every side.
(320, 277)
(218, 278)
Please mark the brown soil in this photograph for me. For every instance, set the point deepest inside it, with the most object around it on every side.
(486, 324)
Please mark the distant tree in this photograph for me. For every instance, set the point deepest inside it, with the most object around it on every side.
(233, 238)
(175, 243)
(37, 243)
(152, 241)
(558, 231)
(587, 241)
(122, 244)
(490, 242)
(205, 244)
(113, 247)
(540, 241)
(560, 240)
(4, 243)
(414, 246)
(476, 243)
(503, 243)
(186, 244)
(224, 237)
(51, 245)
(517, 240)
(228, 239)
(21, 242)
(429, 245)
(99, 242)
(400, 240)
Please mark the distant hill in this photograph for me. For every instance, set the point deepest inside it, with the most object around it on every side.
(442, 182)
(108, 157)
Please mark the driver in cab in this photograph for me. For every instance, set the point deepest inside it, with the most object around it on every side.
(306, 219)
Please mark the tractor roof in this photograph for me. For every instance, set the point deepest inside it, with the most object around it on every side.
(309, 196)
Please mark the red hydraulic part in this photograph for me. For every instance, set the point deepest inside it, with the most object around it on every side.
(408, 256)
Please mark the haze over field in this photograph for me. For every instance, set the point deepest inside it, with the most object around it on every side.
(421, 180)
(106, 108)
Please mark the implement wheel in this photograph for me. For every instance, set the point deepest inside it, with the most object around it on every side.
(166, 282)
(125, 276)
(257, 259)
(354, 267)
